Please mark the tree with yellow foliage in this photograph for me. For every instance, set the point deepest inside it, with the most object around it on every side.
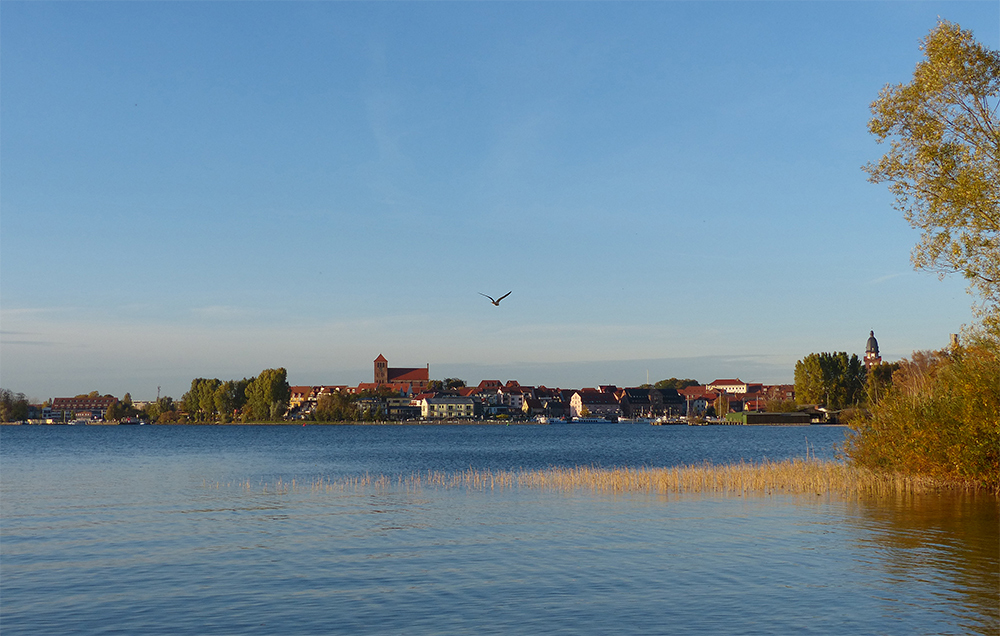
(943, 163)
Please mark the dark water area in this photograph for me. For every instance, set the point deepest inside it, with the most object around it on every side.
(179, 530)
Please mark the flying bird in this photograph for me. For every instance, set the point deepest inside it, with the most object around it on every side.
(497, 301)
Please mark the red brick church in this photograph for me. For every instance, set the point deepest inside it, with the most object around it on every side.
(417, 378)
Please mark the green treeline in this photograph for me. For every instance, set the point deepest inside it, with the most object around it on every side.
(215, 400)
(674, 383)
(13, 406)
(832, 379)
(265, 398)
(261, 399)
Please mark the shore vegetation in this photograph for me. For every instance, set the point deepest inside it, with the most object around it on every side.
(938, 413)
(938, 416)
(13, 406)
(809, 476)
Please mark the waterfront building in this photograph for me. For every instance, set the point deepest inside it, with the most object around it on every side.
(671, 402)
(447, 408)
(86, 407)
(532, 407)
(595, 404)
(639, 402)
(697, 399)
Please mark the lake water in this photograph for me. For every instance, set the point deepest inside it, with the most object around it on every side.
(181, 530)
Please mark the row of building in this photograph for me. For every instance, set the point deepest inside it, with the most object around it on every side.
(403, 393)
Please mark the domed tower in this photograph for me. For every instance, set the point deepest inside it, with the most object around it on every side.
(871, 351)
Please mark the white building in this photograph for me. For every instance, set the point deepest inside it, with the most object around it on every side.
(447, 408)
(594, 404)
(732, 387)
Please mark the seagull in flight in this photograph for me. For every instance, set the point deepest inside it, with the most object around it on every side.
(497, 301)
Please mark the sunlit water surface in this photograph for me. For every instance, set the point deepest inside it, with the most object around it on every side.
(181, 530)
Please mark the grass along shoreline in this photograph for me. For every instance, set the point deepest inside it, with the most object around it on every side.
(793, 476)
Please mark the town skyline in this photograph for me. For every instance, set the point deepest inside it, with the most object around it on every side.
(208, 190)
(470, 380)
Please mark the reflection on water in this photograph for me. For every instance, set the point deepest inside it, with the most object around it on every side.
(138, 542)
(951, 541)
(454, 561)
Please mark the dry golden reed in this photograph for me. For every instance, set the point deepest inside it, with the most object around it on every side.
(793, 476)
(790, 476)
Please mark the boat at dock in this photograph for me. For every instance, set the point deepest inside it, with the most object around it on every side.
(542, 419)
(671, 420)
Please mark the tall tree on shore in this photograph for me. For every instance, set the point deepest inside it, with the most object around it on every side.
(337, 406)
(199, 402)
(835, 380)
(115, 411)
(268, 395)
(943, 164)
(229, 397)
(13, 406)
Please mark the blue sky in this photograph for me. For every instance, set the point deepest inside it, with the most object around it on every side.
(668, 188)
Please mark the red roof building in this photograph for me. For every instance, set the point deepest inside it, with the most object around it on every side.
(418, 378)
(729, 386)
(94, 407)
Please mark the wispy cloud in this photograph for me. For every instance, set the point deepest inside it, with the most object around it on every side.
(882, 279)
(29, 343)
(9, 337)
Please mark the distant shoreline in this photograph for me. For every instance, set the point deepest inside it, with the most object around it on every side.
(301, 423)
(405, 423)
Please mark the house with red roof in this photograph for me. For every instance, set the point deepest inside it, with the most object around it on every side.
(595, 404)
(85, 407)
(512, 396)
(780, 391)
(302, 394)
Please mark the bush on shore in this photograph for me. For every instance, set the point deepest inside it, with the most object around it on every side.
(939, 416)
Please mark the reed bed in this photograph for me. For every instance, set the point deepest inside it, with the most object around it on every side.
(794, 476)
(797, 476)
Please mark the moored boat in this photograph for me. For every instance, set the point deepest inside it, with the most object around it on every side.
(671, 420)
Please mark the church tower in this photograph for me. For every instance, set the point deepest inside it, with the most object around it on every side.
(381, 370)
(871, 351)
